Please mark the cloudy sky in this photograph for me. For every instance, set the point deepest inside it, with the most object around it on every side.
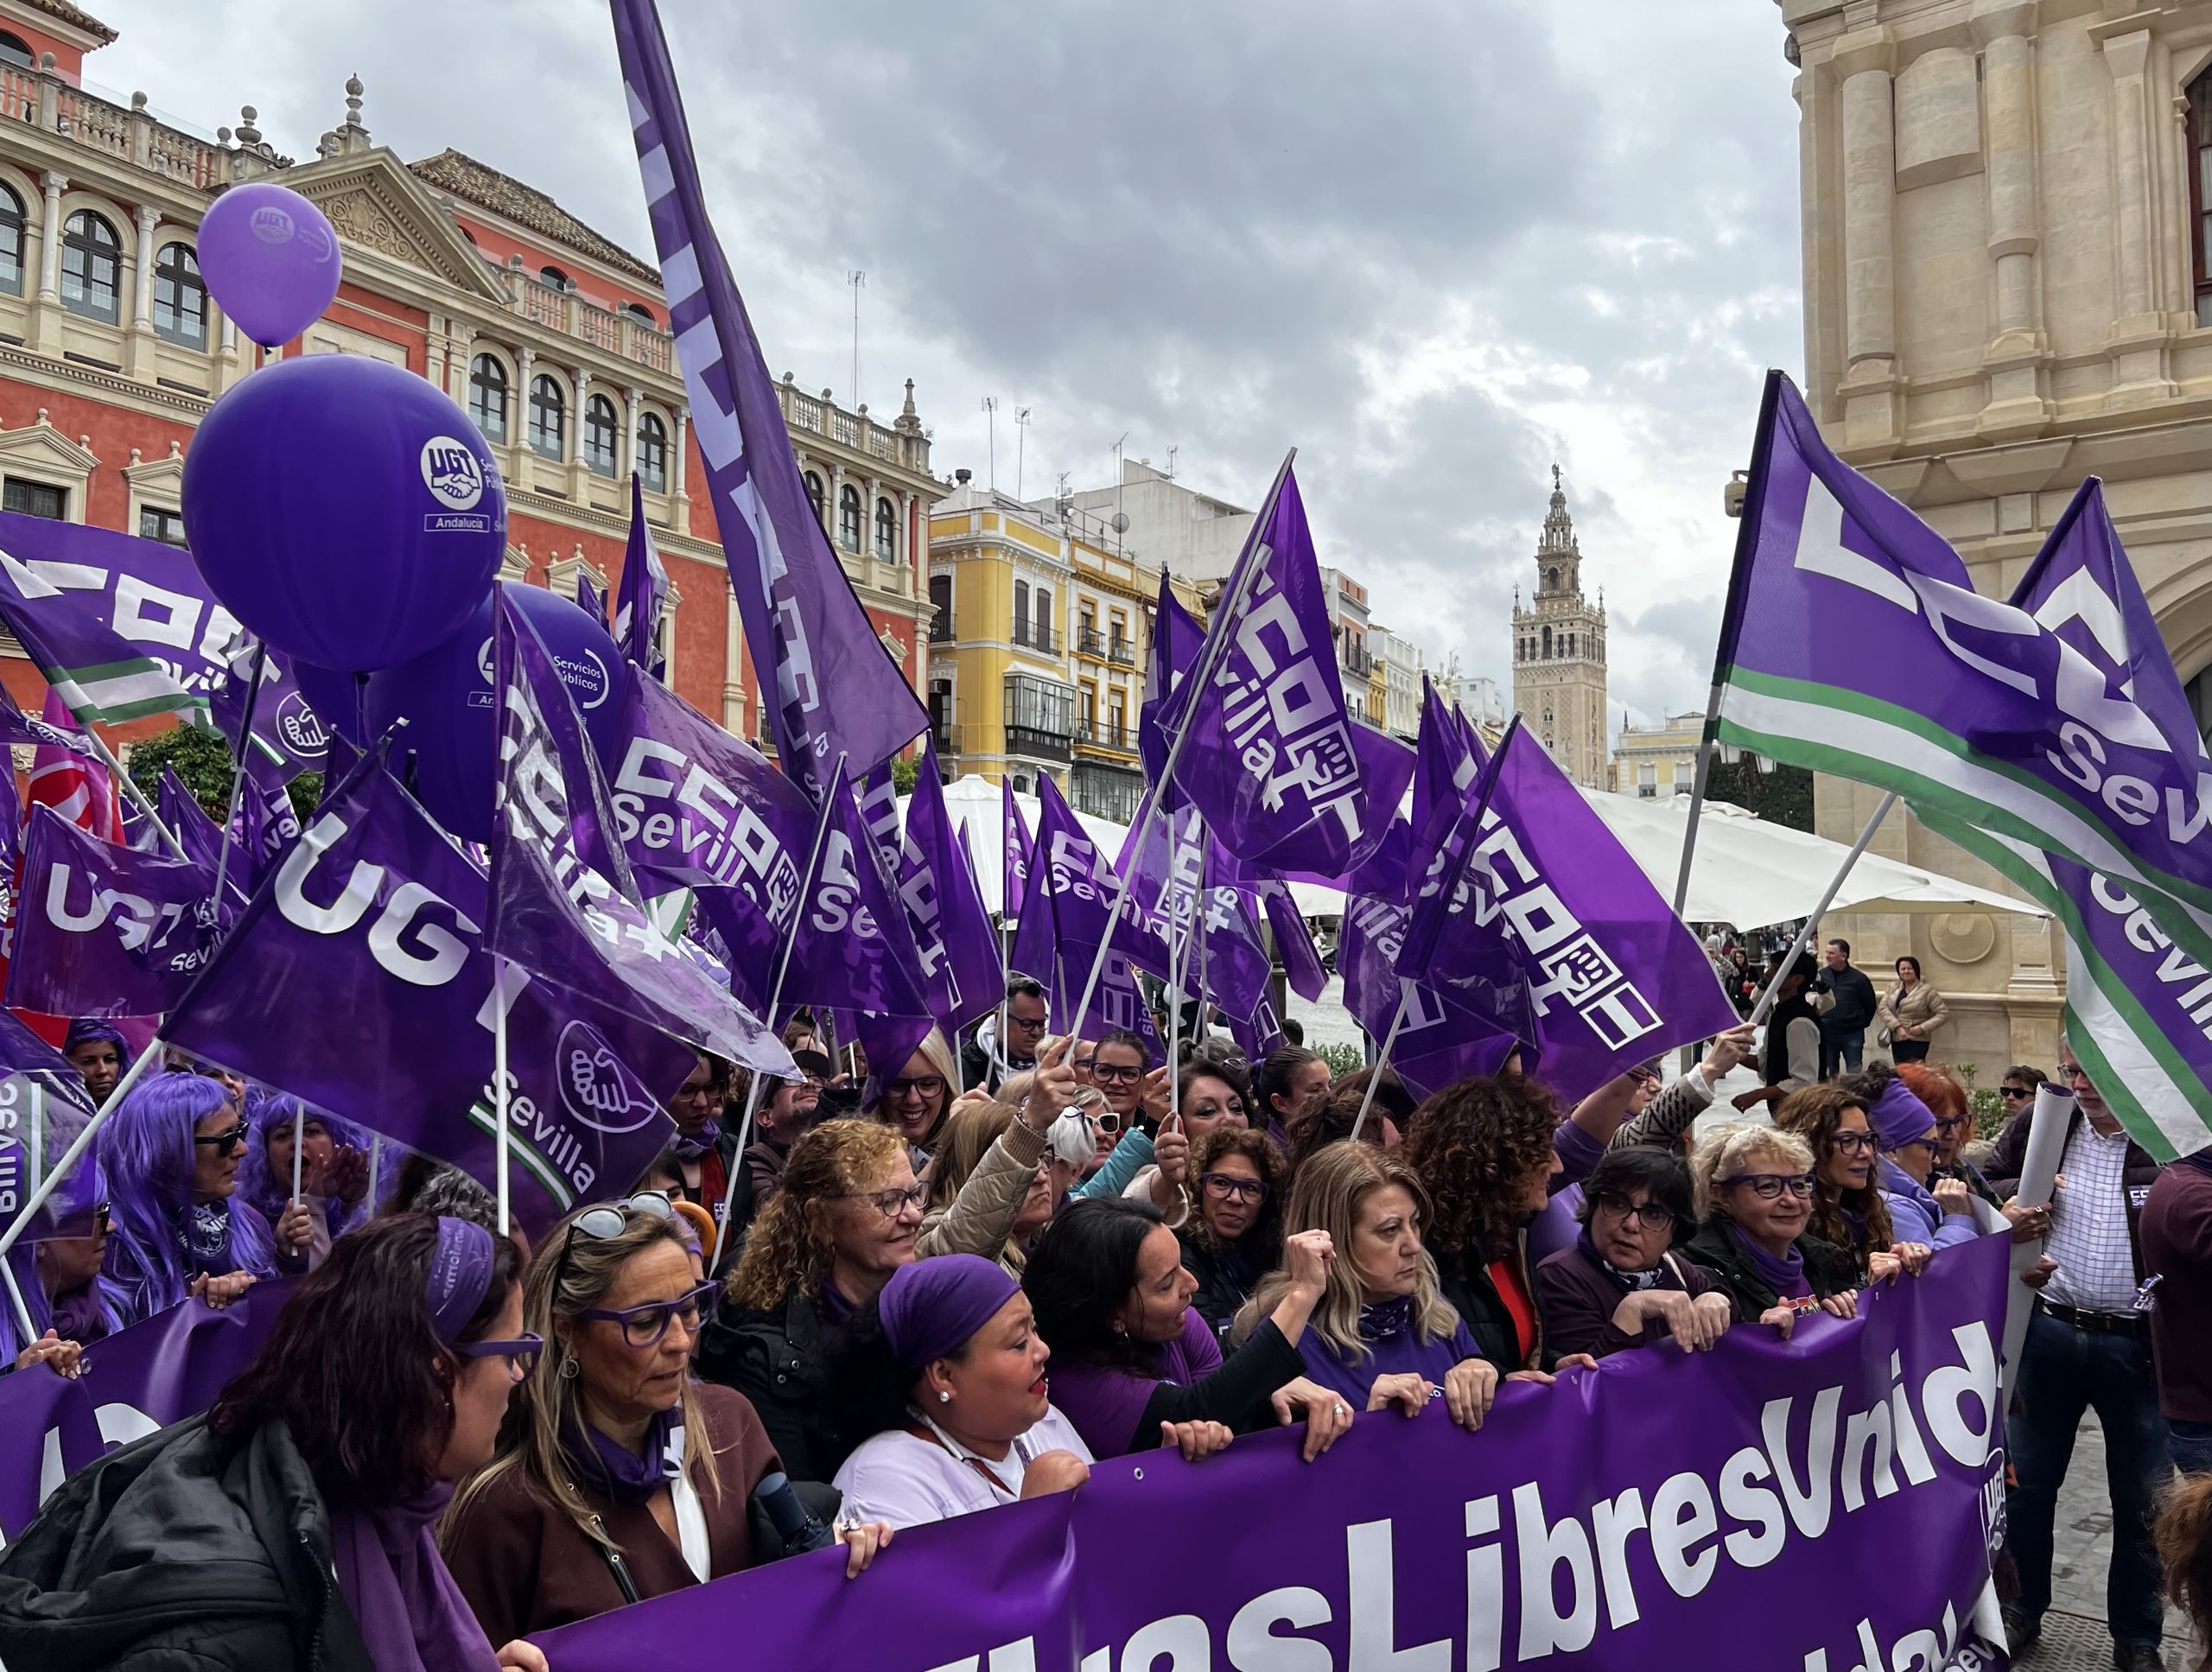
(1436, 245)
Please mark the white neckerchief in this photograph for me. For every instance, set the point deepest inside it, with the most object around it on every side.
(1017, 1457)
(690, 1526)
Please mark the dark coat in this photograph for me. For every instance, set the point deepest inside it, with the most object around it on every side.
(1226, 1280)
(779, 1358)
(185, 1552)
(1828, 1269)
(1463, 1280)
(1580, 1298)
(2139, 1172)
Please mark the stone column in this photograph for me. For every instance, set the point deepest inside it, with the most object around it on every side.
(46, 314)
(2015, 357)
(1873, 419)
(138, 350)
(2137, 342)
(678, 448)
(461, 344)
(524, 473)
(228, 367)
(579, 482)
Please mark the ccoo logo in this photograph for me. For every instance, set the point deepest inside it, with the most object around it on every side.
(451, 473)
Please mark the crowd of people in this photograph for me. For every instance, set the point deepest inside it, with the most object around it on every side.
(963, 1282)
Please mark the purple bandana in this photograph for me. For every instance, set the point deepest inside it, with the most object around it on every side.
(605, 1464)
(1898, 1118)
(1785, 1277)
(692, 1149)
(459, 1276)
(929, 1308)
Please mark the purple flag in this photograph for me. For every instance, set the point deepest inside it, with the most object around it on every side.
(1301, 964)
(1614, 975)
(1442, 1038)
(288, 737)
(837, 690)
(563, 905)
(1258, 1034)
(200, 837)
(96, 936)
(875, 796)
(1177, 638)
(1065, 921)
(1229, 960)
(696, 808)
(1760, 1465)
(589, 599)
(1269, 751)
(1449, 759)
(1853, 642)
(1161, 857)
(43, 1108)
(1017, 852)
(18, 727)
(957, 947)
(357, 981)
(641, 593)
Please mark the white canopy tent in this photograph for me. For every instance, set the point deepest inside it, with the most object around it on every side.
(1749, 873)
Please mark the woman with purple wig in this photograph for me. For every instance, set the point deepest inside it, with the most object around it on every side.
(334, 1176)
(170, 1154)
(99, 1050)
(59, 1278)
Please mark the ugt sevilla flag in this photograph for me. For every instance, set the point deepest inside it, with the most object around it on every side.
(837, 690)
(2139, 1008)
(358, 982)
(286, 737)
(563, 904)
(43, 1108)
(1853, 643)
(94, 935)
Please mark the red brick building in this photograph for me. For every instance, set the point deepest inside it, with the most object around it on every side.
(552, 336)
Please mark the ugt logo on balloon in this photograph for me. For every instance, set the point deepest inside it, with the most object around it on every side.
(455, 479)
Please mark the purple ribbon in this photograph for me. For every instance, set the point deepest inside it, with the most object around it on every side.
(459, 1276)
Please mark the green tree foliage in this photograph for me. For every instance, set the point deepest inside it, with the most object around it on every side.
(198, 756)
(1783, 797)
(904, 770)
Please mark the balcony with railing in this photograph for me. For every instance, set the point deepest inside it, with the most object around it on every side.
(945, 737)
(1034, 635)
(1123, 652)
(1110, 739)
(133, 135)
(556, 308)
(1357, 660)
(941, 631)
(805, 413)
(1089, 641)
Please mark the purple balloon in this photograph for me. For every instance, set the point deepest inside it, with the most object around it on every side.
(270, 258)
(445, 696)
(336, 699)
(344, 510)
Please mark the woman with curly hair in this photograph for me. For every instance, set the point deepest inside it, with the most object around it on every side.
(1235, 1238)
(844, 1221)
(1330, 1120)
(1848, 1209)
(1484, 1150)
(1381, 1334)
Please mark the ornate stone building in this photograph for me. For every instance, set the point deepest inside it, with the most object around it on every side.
(111, 351)
(2008, 287)
(1558, 653)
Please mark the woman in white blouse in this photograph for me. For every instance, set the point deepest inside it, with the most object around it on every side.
(944, 1373)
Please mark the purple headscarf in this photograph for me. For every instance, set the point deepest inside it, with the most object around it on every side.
(929, 1308)
(1898, 1117)
(91, 1027)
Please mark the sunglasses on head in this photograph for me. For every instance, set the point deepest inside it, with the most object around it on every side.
(609, 1220)
(226, 1140)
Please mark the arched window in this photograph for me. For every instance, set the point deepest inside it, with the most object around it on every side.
(180, 296)
(848, 518)
(1548, 643)
(14, 50)
(640, 313)
(554, 277)
(886, 533)
(600, 430)
(814, 499)
(548, 418)
(1551, 580)
(2199, 140)
(487, 397)
(11, 242)
(91, 267)
(652, 453)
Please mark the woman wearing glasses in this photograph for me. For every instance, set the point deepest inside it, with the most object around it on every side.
(1754, 1187)
(1136, 1092)
(1135, 1367)
(1235, 1236)
(334, 1177)
(170, 1154)
(621, 1478)
(1848, 1206)
(917, 1102)
(844, 1221)
(1622, 1285)
(59, 1280)
(1923, 1208)
(294, 1524)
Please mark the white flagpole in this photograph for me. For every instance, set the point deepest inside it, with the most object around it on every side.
(499, 1087)
(1805, 934)
(299, 1142)
(16, 1300)
(1383, 1060)
(376, 1169)
(1202, 671)
(776, 994)
(77, 1146)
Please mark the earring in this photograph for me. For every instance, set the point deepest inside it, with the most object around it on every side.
(943, 1397)
(570, 1369)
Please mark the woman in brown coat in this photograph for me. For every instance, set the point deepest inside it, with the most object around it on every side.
(1908, 1014)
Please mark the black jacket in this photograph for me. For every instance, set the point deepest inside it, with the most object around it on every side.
(1465, 1280)
(1226, 1279)
(1854, 1005)
(1827, 1269)
(185, 1552)
(2139, 1172)
(779, 1358)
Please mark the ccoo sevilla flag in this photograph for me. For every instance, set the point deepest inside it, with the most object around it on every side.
(97, 676)
(830, 688)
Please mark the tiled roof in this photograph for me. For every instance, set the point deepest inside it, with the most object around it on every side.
(76, 17)
(475, 182)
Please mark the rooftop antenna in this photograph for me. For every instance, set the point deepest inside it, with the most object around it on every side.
(1020, 436)
(991, 419)
(1120, 522)
(1172, 452)
(856, 279)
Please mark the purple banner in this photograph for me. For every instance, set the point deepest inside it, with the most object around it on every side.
(143, 1378)
(99, 934)
(837, 690)
(1837, 1496)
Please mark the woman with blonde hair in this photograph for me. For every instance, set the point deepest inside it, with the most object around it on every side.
(1381, 1333)
(1754, 1187)
(617, 1477)
(919, 1098)
(844, 1221)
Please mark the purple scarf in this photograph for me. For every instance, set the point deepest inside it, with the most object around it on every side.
(77, 1315)
(606, 1465)
(1786, 1277)
(692, 1149)
(204, 1234)
(413, 1617)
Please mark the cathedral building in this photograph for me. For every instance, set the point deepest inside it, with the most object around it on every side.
(1558, 653)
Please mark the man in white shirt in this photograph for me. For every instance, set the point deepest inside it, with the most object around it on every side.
(2088, 1347)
